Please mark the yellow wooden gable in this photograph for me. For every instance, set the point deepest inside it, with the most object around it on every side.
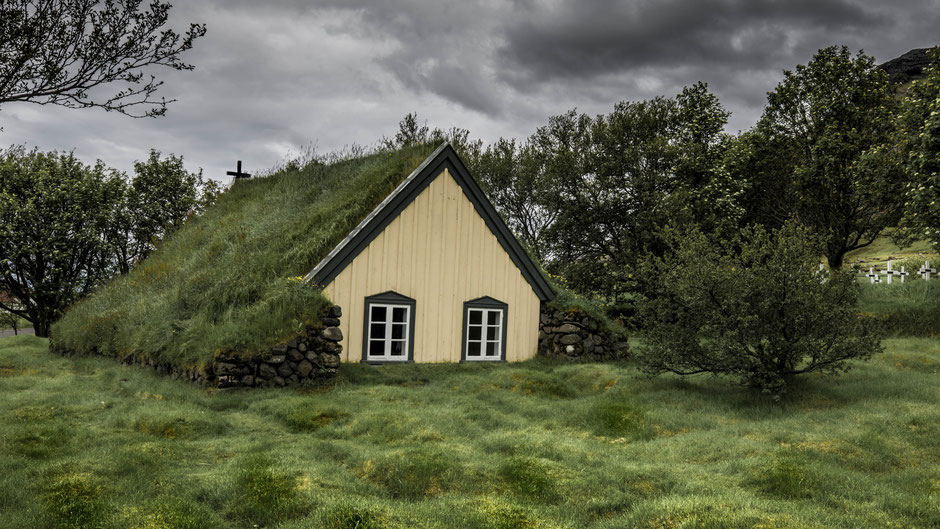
(443, 257)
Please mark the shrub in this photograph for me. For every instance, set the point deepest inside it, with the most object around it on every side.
(756, 308)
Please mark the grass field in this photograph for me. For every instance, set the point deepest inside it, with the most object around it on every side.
(883, 250)
(85, 442)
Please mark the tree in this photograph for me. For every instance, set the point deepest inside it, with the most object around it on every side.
(919, 136)
(66, 227)
(66, 52)
(623, 177)
(53, 210)
(831, 123)
(756, 308)
(520, 186)
(409, 132)
(8, 320)
(157, 201)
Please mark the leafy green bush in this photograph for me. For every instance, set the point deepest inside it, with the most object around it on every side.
(755, 308)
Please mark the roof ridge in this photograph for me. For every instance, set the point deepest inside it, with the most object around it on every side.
(444, 157)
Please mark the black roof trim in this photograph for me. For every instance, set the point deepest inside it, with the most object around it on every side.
(444, 157)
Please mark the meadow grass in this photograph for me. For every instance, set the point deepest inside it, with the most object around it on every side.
(883, 250)
(86, 442)
(911, 308)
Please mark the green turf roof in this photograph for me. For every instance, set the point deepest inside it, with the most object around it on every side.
(229, 281)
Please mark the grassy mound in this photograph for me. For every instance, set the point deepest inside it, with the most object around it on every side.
(229, 281)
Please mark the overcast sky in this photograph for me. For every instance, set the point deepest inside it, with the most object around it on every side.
(273, 77)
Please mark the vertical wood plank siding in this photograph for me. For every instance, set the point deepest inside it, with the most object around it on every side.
(440, 252)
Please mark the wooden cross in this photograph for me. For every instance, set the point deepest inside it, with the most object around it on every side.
(902, 274)
(889, 272)
(238, 172)
(875, 278)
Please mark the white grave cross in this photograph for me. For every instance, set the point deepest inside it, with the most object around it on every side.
(925, 270)
(871, 275)
(889, 272)
(902, 274)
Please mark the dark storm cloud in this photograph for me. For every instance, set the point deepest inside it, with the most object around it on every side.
(276, 76)
(594, 37)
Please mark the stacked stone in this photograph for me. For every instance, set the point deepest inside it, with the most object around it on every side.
(309, 359)
(573, 335)
(306, 360)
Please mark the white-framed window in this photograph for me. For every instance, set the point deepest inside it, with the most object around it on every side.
(388, 328)
(484, 333)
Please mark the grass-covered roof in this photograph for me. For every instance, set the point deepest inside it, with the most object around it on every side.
(228, 282)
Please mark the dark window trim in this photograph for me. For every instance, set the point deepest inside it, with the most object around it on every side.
(443, 158)
(484, 302)
(388, 298)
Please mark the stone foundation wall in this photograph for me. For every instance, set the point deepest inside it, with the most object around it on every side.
(310, 359)
(574, 335)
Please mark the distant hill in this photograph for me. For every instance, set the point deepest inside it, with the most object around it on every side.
(907, 67)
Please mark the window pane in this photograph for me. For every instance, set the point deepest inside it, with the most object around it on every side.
(377, 348)
(473, 349)
(474, 332)
(378, 330)
(491, 349)
(398, 314)
(378, 313)
(492, 333)
(398, 331)
(476, 316)
(493, 317)
(398, 348)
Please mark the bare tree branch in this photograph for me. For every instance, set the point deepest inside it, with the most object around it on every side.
(68, 52)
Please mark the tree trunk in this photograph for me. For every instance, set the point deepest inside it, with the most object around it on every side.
(41, 327)
(835, 260)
